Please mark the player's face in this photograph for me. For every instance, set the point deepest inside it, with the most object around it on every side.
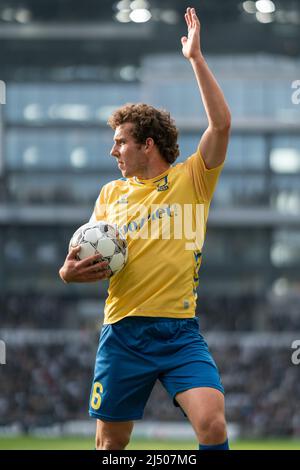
(132, 160)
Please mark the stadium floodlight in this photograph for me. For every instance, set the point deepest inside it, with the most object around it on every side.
(265, 6)
(140, 15)
(139, 4)
(123, 5)
(123, 16)
(264, 17)
(23, 15)
(249, 7)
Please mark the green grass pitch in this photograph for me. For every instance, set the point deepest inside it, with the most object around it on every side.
(77, 443)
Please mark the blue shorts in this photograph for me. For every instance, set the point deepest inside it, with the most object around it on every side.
(136, 351)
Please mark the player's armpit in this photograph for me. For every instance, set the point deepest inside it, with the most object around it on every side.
(203, 179)
(213, 146)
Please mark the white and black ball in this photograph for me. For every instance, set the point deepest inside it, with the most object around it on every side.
(103, 238)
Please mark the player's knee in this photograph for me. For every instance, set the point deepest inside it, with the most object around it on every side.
(116, 442)
(218, 430)
(212, 430)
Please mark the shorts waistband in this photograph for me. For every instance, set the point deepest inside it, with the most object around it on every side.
(145, 319)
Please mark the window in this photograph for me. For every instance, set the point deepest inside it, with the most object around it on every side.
(45, 149)
(285, 154)
(285, 248)
(47, 102)
(244, 152)
(56, 188)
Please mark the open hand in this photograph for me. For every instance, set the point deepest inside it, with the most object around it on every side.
(191, 44)
(90, 269)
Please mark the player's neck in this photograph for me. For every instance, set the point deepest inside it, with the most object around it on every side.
(153, 171)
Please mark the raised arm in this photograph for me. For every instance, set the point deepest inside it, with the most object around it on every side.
(213, 144)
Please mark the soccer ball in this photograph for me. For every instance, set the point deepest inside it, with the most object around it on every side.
(103, 238)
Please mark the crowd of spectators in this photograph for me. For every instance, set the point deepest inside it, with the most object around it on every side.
(242, 313)
(47, 381)
(30, 310)
(217, 313)
(46, 384)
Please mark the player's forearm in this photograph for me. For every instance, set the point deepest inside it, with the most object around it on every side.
(214, 102)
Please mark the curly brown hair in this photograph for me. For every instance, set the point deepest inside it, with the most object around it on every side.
(149, 122)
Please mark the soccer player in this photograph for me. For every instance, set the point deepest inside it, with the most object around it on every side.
(150, 330)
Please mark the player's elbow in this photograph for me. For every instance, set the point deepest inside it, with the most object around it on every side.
(227, 122)
(227, 125)
(224, 125)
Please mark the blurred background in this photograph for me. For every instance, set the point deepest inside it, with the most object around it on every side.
(66, 65)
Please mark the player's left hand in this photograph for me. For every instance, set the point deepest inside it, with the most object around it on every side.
(191, 44)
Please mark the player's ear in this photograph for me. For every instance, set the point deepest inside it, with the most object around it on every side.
(149, 144)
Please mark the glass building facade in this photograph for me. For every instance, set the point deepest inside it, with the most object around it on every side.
(55, 159)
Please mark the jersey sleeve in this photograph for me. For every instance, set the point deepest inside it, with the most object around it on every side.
(99, 212)
(203, 179)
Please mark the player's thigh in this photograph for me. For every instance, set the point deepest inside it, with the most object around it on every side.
(123, 377)
(191, 364)
(114, 435)
(202, 405)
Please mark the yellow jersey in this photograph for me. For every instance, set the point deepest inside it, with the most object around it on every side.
(164, 221)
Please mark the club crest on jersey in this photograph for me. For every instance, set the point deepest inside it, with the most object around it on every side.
(162, 184)
(122, 200)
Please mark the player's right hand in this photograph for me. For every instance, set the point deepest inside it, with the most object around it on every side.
(91, 269)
